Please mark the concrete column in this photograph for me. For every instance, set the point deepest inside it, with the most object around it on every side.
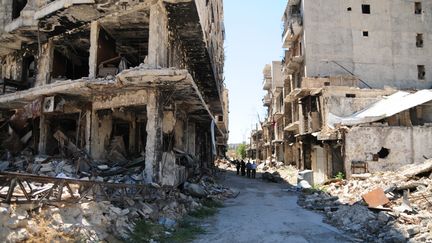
(132, 135)
(153, 155)
(94, 45)
(43, 134)
(158, 37)
(44, 65)
(191, 137)
(88, 129)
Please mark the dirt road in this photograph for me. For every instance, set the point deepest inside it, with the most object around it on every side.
(263, 212)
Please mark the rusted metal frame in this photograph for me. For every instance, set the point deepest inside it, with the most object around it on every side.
(86, 192)
(27, 196)
(70, 190)
(59, 183)
(48, 193)
(11, 190)
(60, 191)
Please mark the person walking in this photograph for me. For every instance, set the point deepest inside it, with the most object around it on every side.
(248, 169)
(237, 162)
(243, 168)
(254, 167)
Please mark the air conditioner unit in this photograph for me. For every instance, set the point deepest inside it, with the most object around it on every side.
(53, 104)
(48, 104)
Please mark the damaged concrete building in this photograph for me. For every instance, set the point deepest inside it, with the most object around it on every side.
(115, 81)
(339, 106)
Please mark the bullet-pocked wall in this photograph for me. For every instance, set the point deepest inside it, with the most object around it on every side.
(390, 44)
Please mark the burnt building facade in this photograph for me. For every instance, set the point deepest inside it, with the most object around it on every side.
(115, 80)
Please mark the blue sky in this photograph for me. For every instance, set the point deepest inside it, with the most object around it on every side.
(253, 39)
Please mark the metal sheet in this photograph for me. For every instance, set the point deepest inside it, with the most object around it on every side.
(375, 198)
(388, 106)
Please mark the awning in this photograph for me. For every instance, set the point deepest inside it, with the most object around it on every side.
(387, 107)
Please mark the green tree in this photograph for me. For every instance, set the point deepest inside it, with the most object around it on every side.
(241, 151)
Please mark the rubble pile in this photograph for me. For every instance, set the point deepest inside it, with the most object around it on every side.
(92, 221)
(278, 172)
(379, 207)
(81, 168)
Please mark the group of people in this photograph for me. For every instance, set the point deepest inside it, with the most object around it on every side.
(248, 168)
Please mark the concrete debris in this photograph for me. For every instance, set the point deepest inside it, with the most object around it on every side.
(399, 212)
(96, 221)
(195, 190)
(272, 177)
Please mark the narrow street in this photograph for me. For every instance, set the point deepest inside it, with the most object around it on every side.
(264, 212)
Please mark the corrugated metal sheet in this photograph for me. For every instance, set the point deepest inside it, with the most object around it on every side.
(388, 106)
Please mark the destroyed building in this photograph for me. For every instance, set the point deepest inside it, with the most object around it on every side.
(115, 81)
(338, 106)
(384, 43)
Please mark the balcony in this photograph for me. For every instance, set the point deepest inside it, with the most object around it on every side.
(25, 22)
(267, 100)
(52, 7)
(292, 127)
(293, 28)
(293, 64)
(293, 2)
(267, 84)
(314, 83)
(277, 115)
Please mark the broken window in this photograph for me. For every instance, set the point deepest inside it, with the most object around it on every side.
(417, 7)
(120, 135)
(108, 59)
(419, 40)
(71, 56)
(350, 95)
(70, 65)
(365, 33)
(123, 43)
(61, 127)
(28, 71)
(17, 7)
(421, 72)
(383, 153)
(366, 9)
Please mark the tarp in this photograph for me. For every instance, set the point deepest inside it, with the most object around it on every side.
(387, 107)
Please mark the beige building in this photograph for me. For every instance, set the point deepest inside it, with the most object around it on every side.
(383, 43)
(344, 64)
(147, 75)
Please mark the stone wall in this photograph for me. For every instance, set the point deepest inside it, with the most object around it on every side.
(406, 144)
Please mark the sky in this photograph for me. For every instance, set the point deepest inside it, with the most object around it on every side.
(253, 38)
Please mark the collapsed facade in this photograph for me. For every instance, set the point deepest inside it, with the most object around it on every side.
(115, 81)
(337, 108)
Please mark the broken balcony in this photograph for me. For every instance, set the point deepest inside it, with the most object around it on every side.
(292, 29)
(267, 84)
(22, 27)
(295, 63)
(267, 100)
(22, 17)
